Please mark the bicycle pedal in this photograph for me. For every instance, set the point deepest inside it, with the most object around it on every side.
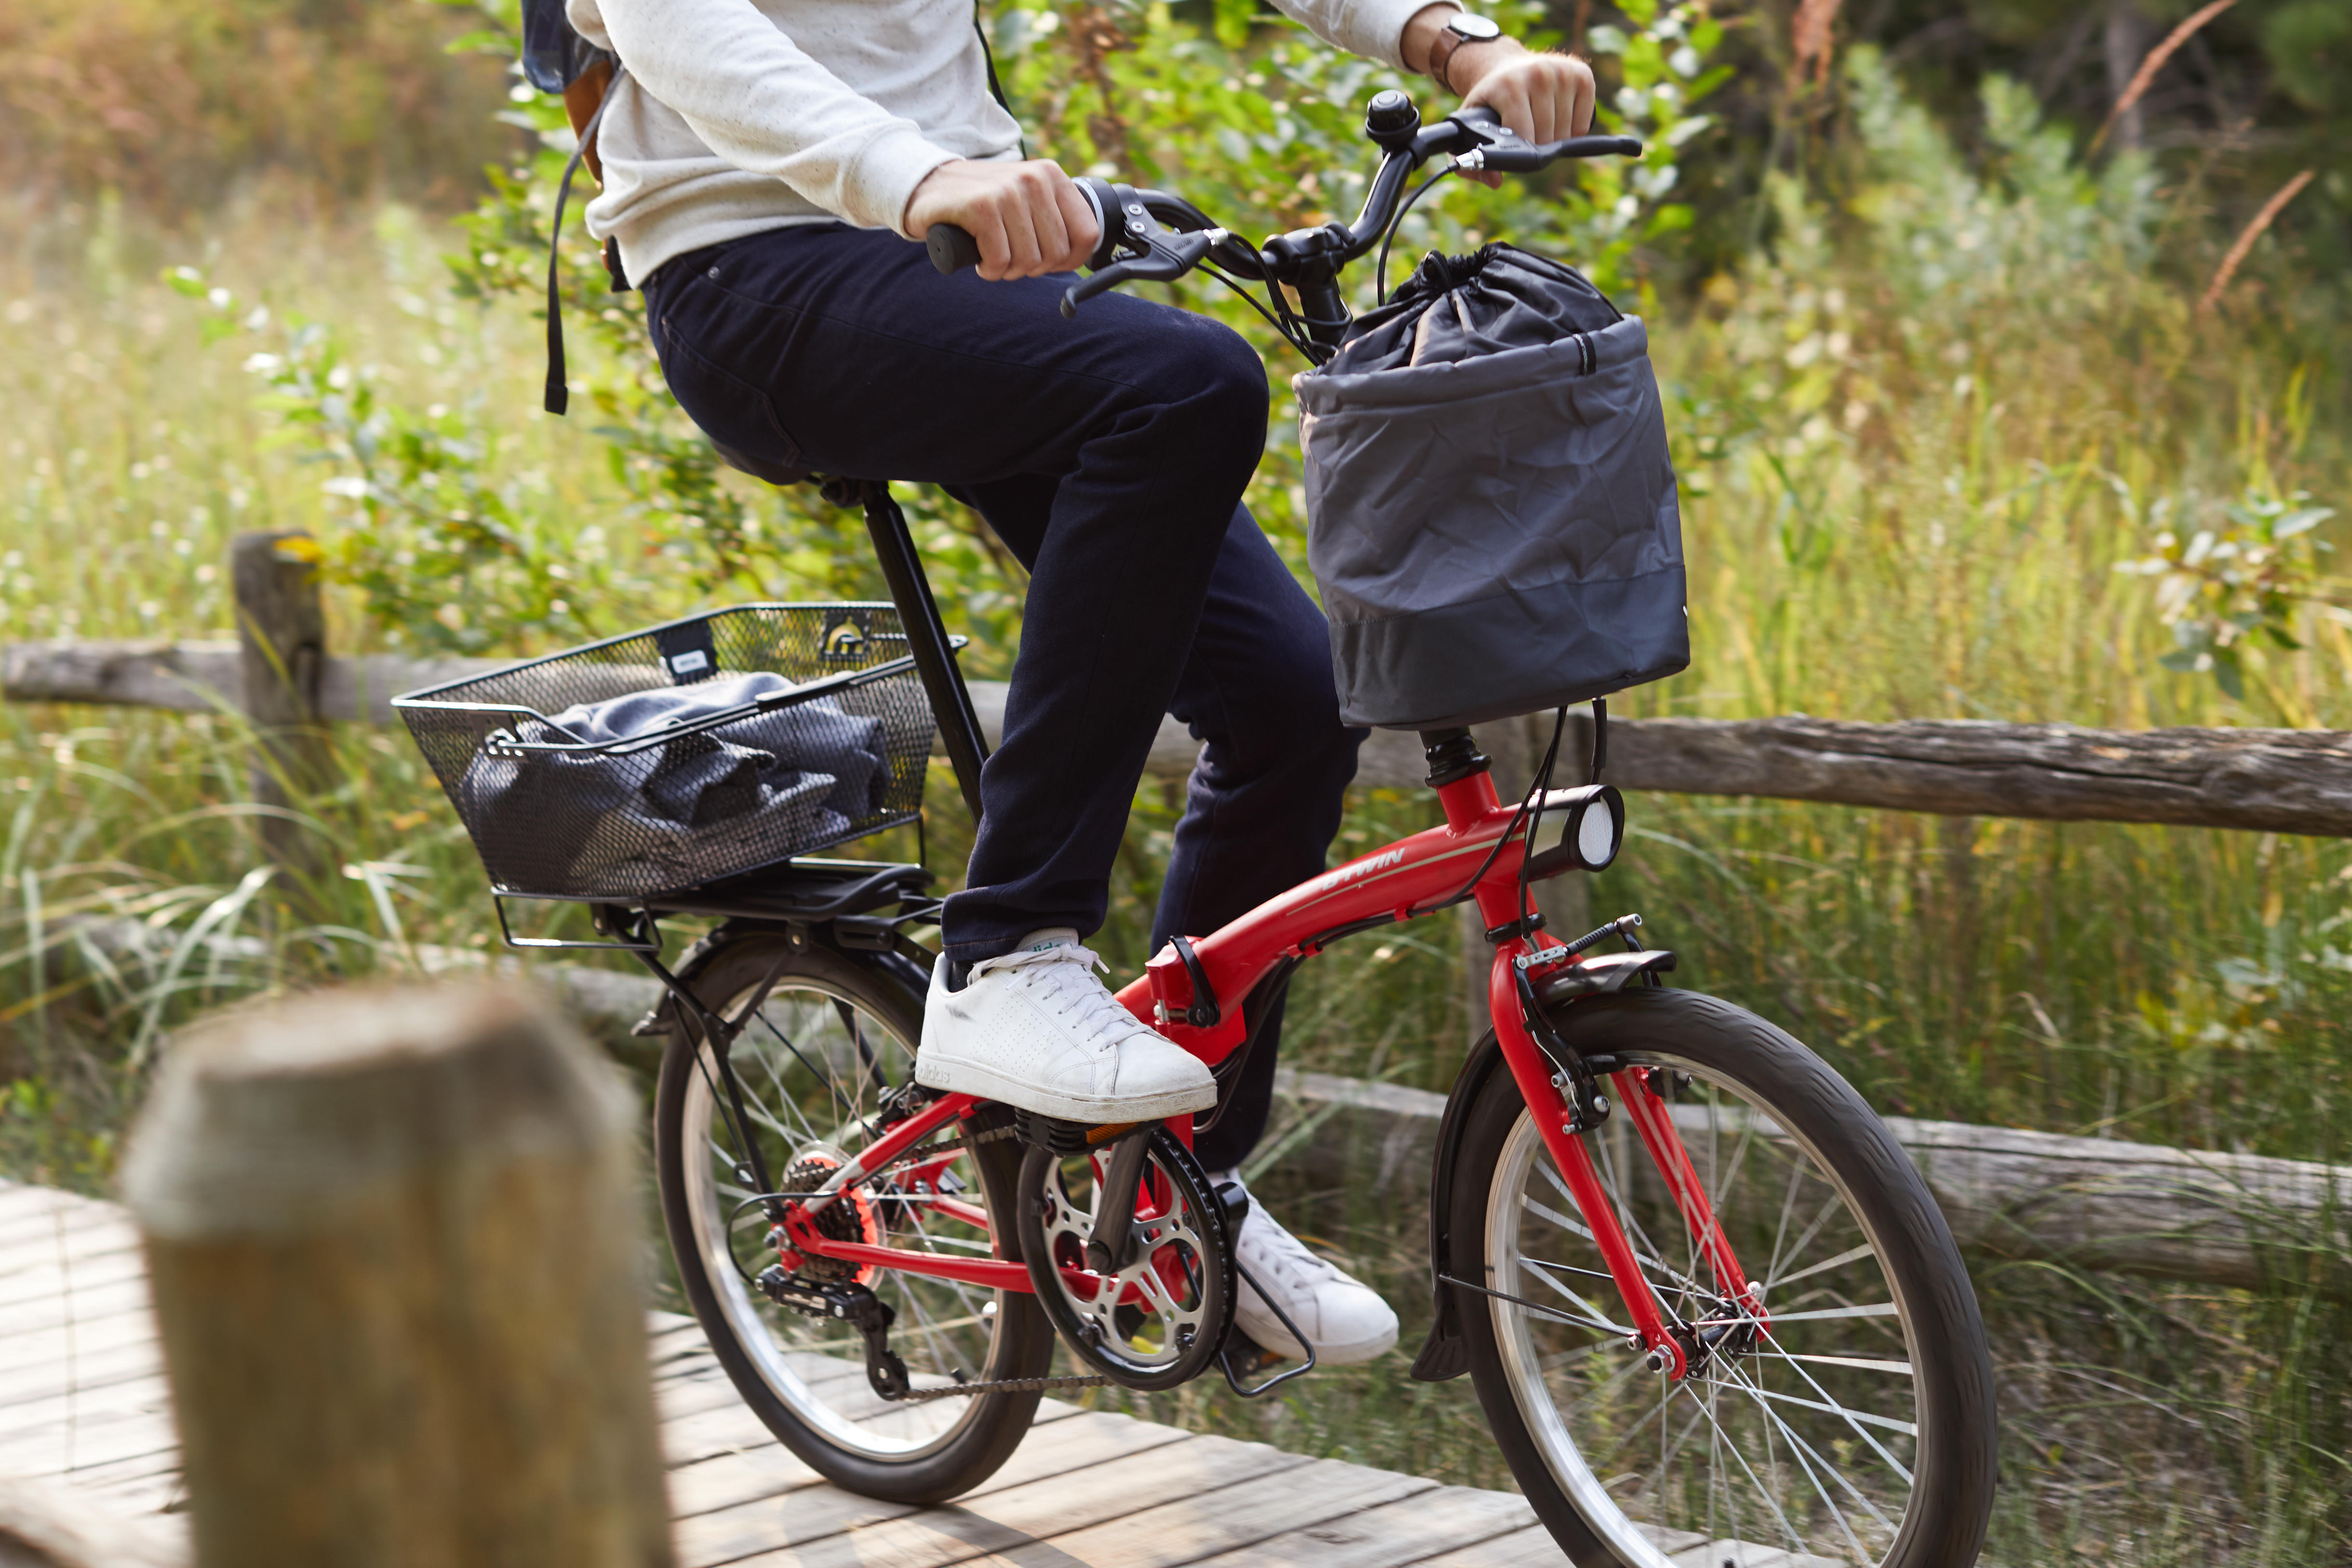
(1055, 1135)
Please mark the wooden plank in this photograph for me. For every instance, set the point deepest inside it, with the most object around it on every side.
(74, 1218)
(66, 1407)
(83, 1303)
(1397, 1532)
(1027, 1502)
(81, 1242)
(26, 1287)
(1530, 1547)
(116, 1331)
(1204, 1520)
(61, 1450)
(47, 1527)
(92, 1369)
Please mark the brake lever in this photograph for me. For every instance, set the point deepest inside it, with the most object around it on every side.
(1502, 151)
(1169, 256)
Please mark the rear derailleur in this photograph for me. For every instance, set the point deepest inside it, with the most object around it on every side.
(853, 1304)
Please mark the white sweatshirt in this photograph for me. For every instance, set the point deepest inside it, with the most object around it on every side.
(747, 115)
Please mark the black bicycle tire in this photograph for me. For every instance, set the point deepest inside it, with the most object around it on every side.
(1024, 1343)
(1953, 1499)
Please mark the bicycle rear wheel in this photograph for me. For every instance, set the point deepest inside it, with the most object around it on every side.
(1858, 1431)
(827, 1040)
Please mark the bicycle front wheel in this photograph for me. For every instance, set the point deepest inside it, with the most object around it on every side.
(822, 1041)
(1859, 1430)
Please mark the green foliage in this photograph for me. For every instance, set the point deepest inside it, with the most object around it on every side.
(2246, 570)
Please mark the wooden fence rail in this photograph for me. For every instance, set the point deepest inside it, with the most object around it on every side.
(2271, 780)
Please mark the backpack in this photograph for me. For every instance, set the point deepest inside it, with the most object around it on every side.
(556, 58)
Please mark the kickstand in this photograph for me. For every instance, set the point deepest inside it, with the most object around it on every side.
(1224, 1351)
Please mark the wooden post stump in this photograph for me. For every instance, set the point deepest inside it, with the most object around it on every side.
(281, 633)
(394, 1243)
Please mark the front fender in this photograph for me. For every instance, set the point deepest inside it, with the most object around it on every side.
(1442, 1355)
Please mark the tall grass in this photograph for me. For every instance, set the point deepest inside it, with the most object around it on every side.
(1917, 437)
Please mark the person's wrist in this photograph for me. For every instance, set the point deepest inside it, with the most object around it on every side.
(1475, 60)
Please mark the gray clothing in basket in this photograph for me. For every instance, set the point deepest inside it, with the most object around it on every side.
(801, 774)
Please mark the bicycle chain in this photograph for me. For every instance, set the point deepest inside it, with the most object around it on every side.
(961, 1141)
(987, 1386)
(994, 1385)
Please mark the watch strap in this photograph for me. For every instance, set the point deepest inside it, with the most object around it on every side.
(1441, 55)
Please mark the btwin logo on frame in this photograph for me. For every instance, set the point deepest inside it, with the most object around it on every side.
(1347, 874)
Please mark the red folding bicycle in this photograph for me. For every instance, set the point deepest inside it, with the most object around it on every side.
(1703, 1295)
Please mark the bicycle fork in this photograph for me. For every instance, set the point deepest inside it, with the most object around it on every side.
(1672, 1348)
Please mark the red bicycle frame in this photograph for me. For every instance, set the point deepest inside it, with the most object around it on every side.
(1411, 877)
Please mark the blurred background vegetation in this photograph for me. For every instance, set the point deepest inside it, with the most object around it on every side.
(1991, 399)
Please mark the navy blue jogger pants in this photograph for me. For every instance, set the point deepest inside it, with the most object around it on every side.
(1110, 453)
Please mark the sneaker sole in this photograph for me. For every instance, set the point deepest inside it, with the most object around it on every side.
(965, 1078)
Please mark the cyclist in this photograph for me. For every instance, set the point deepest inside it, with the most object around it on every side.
(765, 171)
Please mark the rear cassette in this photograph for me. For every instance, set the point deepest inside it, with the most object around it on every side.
(1142, 1289)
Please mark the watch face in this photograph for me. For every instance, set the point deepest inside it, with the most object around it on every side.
(1472, 25)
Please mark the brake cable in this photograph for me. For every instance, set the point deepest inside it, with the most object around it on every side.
(1380, 270)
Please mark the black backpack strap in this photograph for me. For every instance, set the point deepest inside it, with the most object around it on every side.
(995, 87)
(559, 395)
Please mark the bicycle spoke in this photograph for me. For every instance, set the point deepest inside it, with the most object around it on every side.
(1852, 1419)
(1848, 1256)
(1799, 1450)
(1877, 1310)
(1759, 1456)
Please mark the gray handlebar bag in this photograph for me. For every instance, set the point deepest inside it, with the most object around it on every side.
(1491, 507)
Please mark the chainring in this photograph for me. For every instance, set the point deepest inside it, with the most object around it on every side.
(1159, 1320)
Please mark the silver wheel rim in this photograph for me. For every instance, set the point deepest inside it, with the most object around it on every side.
(1804, 1445)
(803, 1034)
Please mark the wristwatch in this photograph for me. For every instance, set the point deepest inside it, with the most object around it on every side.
(1466, 27)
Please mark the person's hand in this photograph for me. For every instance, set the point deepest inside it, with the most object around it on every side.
(1028, 218)
(1543, 97)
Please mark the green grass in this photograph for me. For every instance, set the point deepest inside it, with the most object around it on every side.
(1918, 515)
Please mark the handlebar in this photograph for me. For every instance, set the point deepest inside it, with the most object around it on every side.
(1151, 236)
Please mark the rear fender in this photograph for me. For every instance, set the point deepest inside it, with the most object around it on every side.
(903, 960)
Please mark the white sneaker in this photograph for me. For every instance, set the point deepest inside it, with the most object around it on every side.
(1036, 1030)
(1344, 1318)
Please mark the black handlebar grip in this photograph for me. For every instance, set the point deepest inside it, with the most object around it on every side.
(953, 248)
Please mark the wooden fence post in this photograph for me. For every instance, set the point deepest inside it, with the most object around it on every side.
(395, 1244)
(281, 633)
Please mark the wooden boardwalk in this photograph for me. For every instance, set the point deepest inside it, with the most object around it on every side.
(83, 1406)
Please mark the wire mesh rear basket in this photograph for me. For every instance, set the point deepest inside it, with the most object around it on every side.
(671, 757)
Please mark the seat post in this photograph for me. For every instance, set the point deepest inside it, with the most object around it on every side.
(927, 639)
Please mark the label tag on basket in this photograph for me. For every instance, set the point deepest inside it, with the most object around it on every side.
(846, 637)
(688, 651)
